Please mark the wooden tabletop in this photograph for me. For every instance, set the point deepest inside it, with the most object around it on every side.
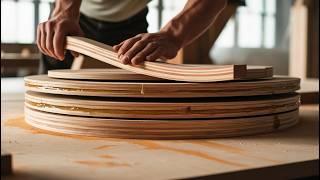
(40, 154)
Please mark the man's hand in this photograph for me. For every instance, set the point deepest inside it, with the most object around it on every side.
(195, 18)
(52, 33)
(147, 47)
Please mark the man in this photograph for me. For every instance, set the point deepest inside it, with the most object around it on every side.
(122, 23)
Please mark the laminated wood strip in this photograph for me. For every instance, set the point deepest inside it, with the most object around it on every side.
(124, 75)
(162, 108)
(161, 89)
(195, 73)
(160, 129)
(101, 74)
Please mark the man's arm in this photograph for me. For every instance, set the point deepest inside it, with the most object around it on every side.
(63, 21)
(188, 25)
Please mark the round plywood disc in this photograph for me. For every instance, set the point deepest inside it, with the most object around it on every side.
(160, 129)
(162, 108)
(101, 74)
(161, 89)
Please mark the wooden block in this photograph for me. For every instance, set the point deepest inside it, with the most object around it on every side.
(6, 164)
(160, 89)
(160, 129)
(193, 73)
(162, 108)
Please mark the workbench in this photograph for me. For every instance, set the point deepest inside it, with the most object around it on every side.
(39, 154)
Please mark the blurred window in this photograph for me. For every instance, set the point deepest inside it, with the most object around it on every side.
(253, 26)
(19, 19)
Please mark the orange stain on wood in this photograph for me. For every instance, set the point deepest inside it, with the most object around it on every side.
(103, 147)
(151, 145)
(230, 149)
(215, 145)
(100, 164)
(148, 144)
(19, 122)
(105, 156)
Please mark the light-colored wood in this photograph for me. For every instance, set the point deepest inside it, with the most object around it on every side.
(162, 108)
(277, 85)
(40, 154)
(100, 74)
(121, 74)
(77, 62)
(298, 40)
(196, 73)
(160, 129)
(299, 45)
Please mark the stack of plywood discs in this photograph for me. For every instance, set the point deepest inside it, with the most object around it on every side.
(219, 101)
(128, 105)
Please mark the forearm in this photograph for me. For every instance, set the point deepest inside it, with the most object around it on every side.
(193, 20)
(67, 8)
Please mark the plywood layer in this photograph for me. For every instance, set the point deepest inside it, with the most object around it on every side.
(162, 108)
(160, 129)
(110, 74)
(161, 89)
(189, 73)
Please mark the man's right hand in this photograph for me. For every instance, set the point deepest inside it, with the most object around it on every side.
(51, 34)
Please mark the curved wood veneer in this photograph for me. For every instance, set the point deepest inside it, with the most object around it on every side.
(189, 73)
(160, 129)
(110, 74)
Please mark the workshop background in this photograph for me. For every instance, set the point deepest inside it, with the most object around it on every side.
(283, 34)
(257, 34)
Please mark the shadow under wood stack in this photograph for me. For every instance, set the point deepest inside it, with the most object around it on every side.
(159, 100)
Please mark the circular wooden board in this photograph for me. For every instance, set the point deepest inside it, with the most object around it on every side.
(162, 108)
(159, 89)
(160, 129)
(110, 74)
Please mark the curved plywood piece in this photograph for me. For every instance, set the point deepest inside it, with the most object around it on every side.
(160, 129)
(188, 73)
(162, 108)
(161, 89)
(110, 74)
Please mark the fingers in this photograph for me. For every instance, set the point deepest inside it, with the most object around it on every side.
(141, 56)
(45, 36)
(49, 37)
(58, 43)
(127, 44)
(39, 39)
(144, 47)
(155, 54)
(117, 47)
(43, 41)
(132, 52)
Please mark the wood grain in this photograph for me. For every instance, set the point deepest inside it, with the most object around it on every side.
(110, 74)
(195, 73)
(160, 89)
(162, 108)
(160, 129)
